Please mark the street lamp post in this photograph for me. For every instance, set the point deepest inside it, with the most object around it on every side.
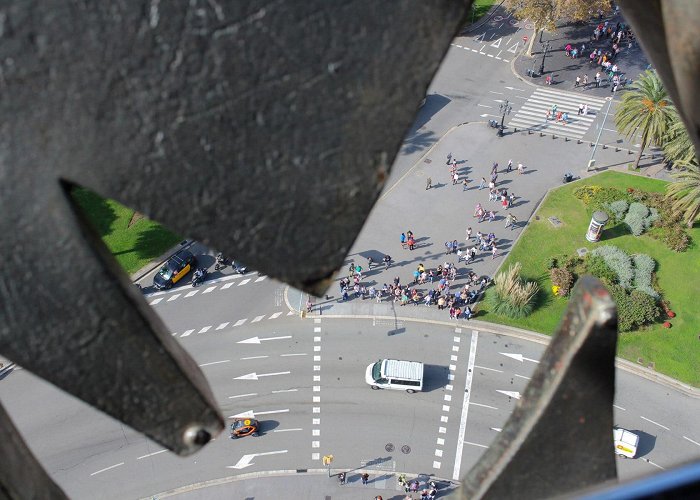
(505, 109)
(544, 54)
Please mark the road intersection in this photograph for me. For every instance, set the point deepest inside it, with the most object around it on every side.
(304, 378)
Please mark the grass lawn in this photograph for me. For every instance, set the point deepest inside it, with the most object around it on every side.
(480, 8)
(675, 351)
(133, 239)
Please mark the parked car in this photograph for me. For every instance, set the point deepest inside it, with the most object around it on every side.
(174, 269)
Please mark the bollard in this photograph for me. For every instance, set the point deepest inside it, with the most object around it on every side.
(578, 141)
(529, 131)
(605, 146)
(617, 149)
(554, 136)
(541, 134)
(566, 139)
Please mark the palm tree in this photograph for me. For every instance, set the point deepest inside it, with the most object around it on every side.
(645, 109)
(685, 192)
(678, 147)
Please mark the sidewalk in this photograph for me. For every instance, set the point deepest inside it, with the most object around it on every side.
(564, 70)
(311, 484)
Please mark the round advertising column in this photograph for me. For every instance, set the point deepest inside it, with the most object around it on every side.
(595, 228)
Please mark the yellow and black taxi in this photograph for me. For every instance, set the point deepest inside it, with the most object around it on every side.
(244, 427)
(174, 269)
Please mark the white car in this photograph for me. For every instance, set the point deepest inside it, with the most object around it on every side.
(625, 442)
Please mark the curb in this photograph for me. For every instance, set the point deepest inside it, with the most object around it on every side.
(145, 270)
(280, 473)
(480, 22)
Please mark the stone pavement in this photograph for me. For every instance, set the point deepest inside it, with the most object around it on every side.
(563, 69)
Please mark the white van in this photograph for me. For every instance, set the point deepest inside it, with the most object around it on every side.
(395, 374)
(625, 442)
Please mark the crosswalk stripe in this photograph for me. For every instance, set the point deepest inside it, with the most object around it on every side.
(174, 297)
(173, 334)
(260, 279)
(155, 301)
(244, 282)
(571, 96)
(290, 313)
(257, 318)
(187, 333)
(209, 290)
(205, 329)
(227, 285)
(240, 322)
(275, 315)
(222, 326)
(193, 292)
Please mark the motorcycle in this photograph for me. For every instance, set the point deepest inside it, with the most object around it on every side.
(221, 261)
(239, 268)
(198, 276)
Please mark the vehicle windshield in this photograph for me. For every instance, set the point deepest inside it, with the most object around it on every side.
(377, 370)
(166, 272)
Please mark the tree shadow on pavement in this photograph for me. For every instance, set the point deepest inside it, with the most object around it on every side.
(417, 142)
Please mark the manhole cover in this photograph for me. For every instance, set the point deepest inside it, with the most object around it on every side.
(427, 160)
(389, 447)
(554, 220)
(406, 449)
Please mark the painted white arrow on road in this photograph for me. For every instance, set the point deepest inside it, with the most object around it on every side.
(519, 357)
(252, 414)
(514, 88)
(257, 340)
(256, 376)
(245, 459)
(510, 394)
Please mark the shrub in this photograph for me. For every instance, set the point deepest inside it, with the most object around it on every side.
(586, 193)
(551, 262)
(643, 272)
(596, 266)
(619, 262)
(633, 310)
(636, 218)
(605, 196)
(676, 238)
(563, 279)
(512, 296)
(667, 324)
(617, 209)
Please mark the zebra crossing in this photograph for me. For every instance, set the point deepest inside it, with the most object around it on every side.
(225, 324)
(532, 114)
(216, 285)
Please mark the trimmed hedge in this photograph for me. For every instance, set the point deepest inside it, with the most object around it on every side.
(617, 209)
(639, 218)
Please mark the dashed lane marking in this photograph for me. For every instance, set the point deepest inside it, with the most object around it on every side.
(107, 468)
(173, 297)
(205, 329)
(222, 326)
(475, 444)
(243, 395)
(655, 423)
(209, 290)
(619, 408)
(275, 315)
(257, 318)
(243, 282)
(688, 439)
(186, 333)
(240, 322)
(155, 301)
(260, 279)
(193, 292)
(484, 406)
(151, 454)
(489, 369)
(215, 363)
(227, 285)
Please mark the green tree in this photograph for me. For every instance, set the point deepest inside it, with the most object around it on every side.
(678, 147)
(684, 194)
(645, 109)
(543, 14)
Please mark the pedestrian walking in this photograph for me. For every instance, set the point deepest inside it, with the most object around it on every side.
(510, 166)
(455, 178)
(411, 243)
(548, 80)
(429, 184)
(580, 109)
(597, 80)
(585, 81)
(578, 81)
(521, 168)
(494, 252)
(365, 478)
(511, 220)
(482, 183)
(341, 477)
(449, 158)
(494, 169)
(465, 184)
(403, 240)
(614, 88)
(469, 233)
(585, 110)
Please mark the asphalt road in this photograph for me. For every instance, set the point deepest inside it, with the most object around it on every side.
(92, 456)
(304, 378)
